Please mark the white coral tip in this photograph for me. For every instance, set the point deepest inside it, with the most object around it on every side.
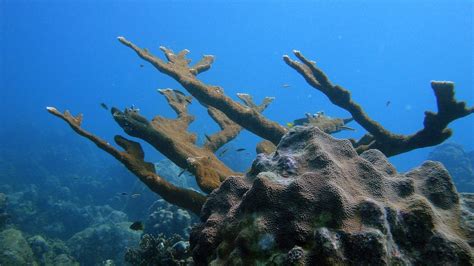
(50, 108)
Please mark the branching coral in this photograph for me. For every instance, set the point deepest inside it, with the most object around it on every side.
(171, 137)
(178, 68)
(133, 159)
(435, 128)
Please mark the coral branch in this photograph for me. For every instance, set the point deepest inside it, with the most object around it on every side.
(171, 138)
(178, 68)
(435, 128)
(229, 130)
(248, 101)
(179, 102)
(133, 159)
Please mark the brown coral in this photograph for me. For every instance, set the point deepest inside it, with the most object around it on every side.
(435, 125)
(316, 194)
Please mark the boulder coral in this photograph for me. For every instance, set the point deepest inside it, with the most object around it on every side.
(459, 163)
(315, 200)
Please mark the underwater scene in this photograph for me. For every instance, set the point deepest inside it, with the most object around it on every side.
(278, 132)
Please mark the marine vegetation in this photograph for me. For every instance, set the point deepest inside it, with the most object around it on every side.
(307, 196)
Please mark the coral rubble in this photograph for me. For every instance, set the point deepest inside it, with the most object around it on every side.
(316, 201)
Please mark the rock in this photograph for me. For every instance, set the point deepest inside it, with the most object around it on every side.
(50, 252)
(316, 201)
(459, 163)
(102, 242)
(39, 246)
(14, 249)
(167, 219)
(64, 260)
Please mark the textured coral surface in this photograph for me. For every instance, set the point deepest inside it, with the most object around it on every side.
(459, 163)
(316, 201)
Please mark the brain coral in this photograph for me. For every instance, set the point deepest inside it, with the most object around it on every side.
(316, 201)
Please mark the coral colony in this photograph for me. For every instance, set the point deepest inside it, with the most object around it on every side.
(308, 197)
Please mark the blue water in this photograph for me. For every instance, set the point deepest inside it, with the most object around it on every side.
(65, 54)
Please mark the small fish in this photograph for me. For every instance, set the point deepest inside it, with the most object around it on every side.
(123, 193)
(137, 226)
(347, 128)
(103, 105)
(285, 85)
(136, 195)
(239, 150)
(388, 103)
(207, 137)
(182, 172)
(223, 152)
(290, 125)
(141, 65)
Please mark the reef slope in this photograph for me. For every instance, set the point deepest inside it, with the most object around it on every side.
(316, 201)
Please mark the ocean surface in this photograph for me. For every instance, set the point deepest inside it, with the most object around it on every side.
(66, 54)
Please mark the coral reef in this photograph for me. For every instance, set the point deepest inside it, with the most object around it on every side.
(169, 220)
(50, 252)
(171, 136)
(59, 216)
(100, 243)
(160, 250)
(316, 201)
(35, 213)
(14, 249)
(313, 200)
(459, 163)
